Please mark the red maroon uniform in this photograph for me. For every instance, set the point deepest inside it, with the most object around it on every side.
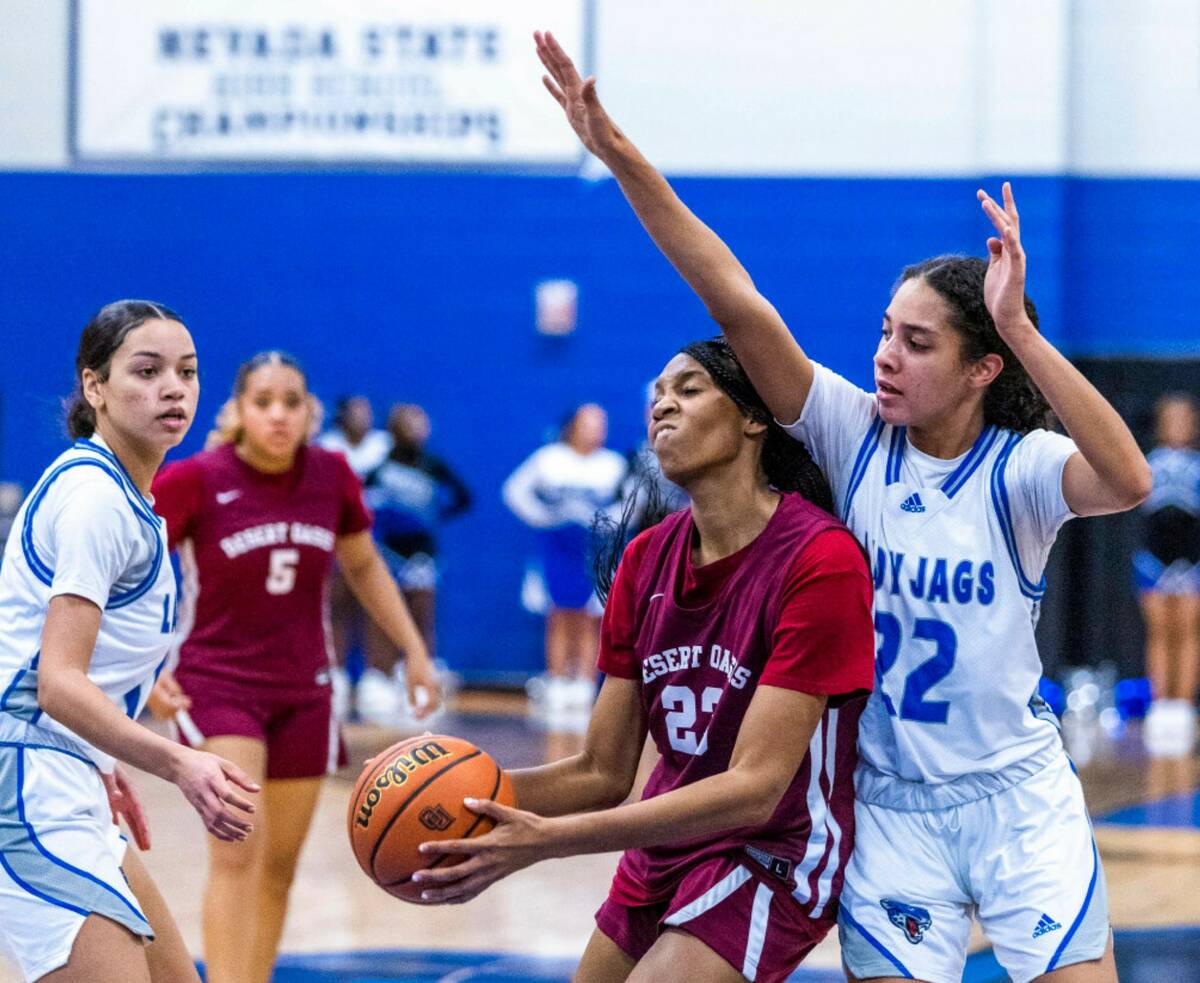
(792, 609)
(256, 551)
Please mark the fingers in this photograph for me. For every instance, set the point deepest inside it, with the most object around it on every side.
(438, 876)
(489, 807)
(134, 813)
(460, 891)
(554, 91)
(441, 848)
(239, 777)
(558, 63)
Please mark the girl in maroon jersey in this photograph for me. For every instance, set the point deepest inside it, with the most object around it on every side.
(258, 520)
(738, 634)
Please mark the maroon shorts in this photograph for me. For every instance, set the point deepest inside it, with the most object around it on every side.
(301, 734)
(748, 920)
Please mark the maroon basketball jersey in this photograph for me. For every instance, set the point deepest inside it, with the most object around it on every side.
(700, 667)
(255, 552)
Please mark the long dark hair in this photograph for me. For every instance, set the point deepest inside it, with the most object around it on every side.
(1012, 400)
(786, 462)
(100, 339)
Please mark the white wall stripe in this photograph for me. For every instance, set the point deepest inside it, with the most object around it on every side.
(815, 848)
(758, 931)
(712, 897)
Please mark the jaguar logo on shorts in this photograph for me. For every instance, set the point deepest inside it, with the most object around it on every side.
(435, 818)
(910, 919)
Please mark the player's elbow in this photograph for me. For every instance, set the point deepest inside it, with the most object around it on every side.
(1139, 484)
(53, 695)
(758, 795)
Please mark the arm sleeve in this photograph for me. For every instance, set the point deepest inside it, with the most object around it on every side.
(178, 492)
(834, 418)
(94, 535)
(824, 642)
(618, 631)
(520, 493)
(355, 516)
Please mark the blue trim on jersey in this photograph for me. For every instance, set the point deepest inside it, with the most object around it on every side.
(844, 913)
(45, 574)
(970, 464)
(17, 678)
(50, 747)
(51, 857)
(1082, 911)
(1004, 514)
(858, 472)
(154, 518)
(891, 473)
(38, 894)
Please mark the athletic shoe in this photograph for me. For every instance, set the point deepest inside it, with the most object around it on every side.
(341, 692)
(378, 698)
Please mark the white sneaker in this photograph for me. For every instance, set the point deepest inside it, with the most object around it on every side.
(1169, 730)
(582, 693)
(341, 692)
(535, 689)
(378, 700)
(560, 693)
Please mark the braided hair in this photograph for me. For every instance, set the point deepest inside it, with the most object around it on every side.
(786, 462)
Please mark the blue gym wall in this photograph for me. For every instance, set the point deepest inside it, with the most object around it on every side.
(419, 288)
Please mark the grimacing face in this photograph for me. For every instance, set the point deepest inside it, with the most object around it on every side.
(694, 426)
(150, 393)
(276, 411)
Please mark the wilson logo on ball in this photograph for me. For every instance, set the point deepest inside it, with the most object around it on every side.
(396, 774)
(435, 818)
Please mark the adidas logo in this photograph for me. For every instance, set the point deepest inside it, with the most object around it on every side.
(913, 503)
(1045, 926)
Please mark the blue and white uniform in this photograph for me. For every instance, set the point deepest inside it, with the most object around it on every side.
(967, 803)
(1168, 558)
(559, 491)
(84, 530)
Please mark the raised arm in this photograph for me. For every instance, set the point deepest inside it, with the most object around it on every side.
(1109, 473)
(776, 364)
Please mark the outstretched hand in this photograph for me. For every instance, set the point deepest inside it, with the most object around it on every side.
(210, 784)
(577, 96)
(1004, 284)
(519, 839)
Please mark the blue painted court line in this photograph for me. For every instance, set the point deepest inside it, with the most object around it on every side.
(1153, 955)
(1178, 810)
(401, 966)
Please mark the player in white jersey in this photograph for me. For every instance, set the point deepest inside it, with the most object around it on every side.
(967, 802)
(87, 608)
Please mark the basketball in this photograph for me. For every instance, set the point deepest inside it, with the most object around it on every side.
(412, 793)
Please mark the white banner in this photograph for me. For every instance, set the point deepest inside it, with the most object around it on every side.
(388, 81)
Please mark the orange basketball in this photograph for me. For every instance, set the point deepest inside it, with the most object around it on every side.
(412, 793)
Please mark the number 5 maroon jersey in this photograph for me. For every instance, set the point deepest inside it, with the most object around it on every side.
(791, 609)
(255, 552)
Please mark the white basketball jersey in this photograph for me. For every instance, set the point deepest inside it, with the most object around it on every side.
(86, 530)
(957, 549)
